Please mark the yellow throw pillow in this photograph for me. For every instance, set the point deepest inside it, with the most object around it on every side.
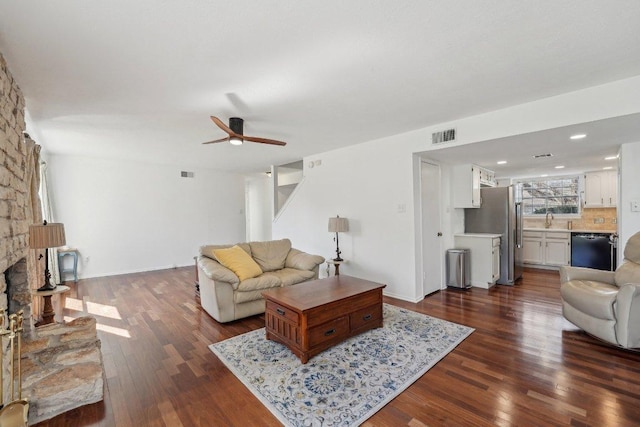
(238, 261)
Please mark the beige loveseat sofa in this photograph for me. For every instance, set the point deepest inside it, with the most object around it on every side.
(606, 304)
(225, 297)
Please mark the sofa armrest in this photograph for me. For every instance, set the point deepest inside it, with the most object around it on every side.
(217, 272)
(581, 273)
(302, 260)
(628, 315)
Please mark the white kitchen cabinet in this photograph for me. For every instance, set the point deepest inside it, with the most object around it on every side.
(467, 180)
(600, 189)
(546, 248)
(532, 247)
(485, 257)
(557, 248)
(466, 186)
(495, 254)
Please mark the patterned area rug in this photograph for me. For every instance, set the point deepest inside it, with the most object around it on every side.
(345, 385)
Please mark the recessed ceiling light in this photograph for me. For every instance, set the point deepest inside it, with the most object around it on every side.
(544, 175)
(502, 162)
(607, 168)
(560, 167)
(611, 157)
(578, 136)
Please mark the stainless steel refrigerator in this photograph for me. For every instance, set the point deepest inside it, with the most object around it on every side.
(501, 213)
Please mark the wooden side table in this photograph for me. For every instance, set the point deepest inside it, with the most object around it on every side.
(336, 265)
(47, 312)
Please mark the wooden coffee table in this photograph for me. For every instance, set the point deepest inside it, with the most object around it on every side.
(313, 316)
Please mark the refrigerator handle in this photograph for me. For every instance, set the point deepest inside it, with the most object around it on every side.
(518, 225)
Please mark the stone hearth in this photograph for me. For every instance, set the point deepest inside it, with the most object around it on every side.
(62, 364)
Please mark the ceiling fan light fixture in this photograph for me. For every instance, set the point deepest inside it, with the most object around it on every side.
(234, 140)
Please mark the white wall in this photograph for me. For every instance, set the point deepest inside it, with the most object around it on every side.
(629, 222)
(130, 216)
(371, 183)
(365, 184)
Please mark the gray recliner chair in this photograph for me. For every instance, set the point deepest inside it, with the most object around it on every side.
(606, 304)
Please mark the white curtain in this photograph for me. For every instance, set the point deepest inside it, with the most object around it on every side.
(34, 267)
(48, 215)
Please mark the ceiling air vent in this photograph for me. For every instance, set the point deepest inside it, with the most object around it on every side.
(443, 136)
(541, 156)
(185, 174)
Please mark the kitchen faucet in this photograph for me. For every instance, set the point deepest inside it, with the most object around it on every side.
(547, 221)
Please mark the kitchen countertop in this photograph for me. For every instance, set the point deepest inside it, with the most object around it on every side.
(483, 235)
(566, 230)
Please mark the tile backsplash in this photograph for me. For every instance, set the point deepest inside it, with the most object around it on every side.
(595, 219)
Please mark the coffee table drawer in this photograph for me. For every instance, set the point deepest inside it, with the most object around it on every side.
(365, 316)
(321, 315)
(328, 331)
(282, 311)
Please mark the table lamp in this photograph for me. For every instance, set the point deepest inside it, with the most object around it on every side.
(338, 225)
(45, 236)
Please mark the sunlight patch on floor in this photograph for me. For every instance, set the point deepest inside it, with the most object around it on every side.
(94, 308)
(105, 328)
(73, 304)
(113, 330)
(103, 310)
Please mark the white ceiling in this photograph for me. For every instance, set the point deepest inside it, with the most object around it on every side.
(139, 79)
(603, 140)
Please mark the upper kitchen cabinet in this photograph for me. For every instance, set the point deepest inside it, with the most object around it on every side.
(600, 189)
(467, 180)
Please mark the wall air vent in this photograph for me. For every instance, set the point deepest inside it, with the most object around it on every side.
(541, 156)
(185, 174)
(443, 136)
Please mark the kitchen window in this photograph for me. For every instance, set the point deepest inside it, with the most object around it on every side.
(558, 195)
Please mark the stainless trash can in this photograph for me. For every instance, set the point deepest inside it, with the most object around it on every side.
(458, 268)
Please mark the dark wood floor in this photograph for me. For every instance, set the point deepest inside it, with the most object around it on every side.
(523, 366)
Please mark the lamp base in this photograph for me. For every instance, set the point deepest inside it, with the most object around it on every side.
(47, 287)
(338, 259)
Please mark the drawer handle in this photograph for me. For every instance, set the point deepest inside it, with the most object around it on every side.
(280, 311)
(367, 317)
(329, 332)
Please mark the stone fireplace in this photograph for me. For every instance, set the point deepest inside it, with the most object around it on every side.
(61, 363)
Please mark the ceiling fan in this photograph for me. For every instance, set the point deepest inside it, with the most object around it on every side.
(236, 136)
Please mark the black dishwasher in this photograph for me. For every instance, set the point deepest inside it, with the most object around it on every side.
(593, 250)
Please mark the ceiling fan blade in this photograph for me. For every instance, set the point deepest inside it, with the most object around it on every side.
(222, 126)
(263, 140)
(217, 140)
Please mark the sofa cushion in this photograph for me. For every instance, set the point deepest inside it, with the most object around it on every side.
(291, 276)
(207, 250)
(632, 248)
(216, 271)
(264, 281)
(593, 298)
(302, 261)
(271, 255)
(242, 297)
(238, 261)
(628, 272)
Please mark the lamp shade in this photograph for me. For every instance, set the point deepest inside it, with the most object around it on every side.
(46, 235)
(338, 225)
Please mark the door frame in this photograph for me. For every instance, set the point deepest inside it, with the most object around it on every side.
(420, 250)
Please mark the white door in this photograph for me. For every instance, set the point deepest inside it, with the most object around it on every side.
(432, 257)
